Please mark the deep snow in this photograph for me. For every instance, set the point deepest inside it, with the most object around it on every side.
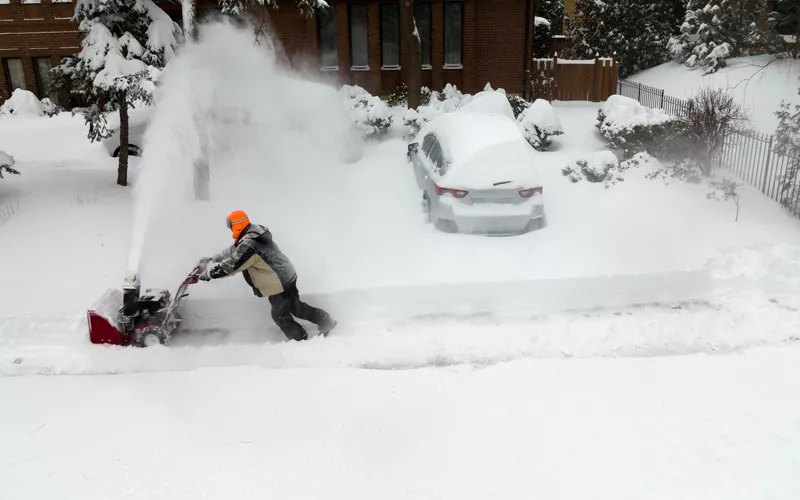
(695, 428)
(760, 84)
(501, 403)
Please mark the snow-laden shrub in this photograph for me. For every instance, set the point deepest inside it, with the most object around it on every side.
(518, 104)
(446, 101)
(633, 128)
(398, 97)
(368, 113)
(22, 102)
(50, 108)
(7, 164)
(415, 119)
(601, 166)
(539, 123)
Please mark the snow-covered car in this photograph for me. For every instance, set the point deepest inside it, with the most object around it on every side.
(137, 124)
(477, 174)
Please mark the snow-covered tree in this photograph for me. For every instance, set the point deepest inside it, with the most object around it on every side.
(7, 164)
(542, 32)
(637, 30)
(125, 45)
(786, 18)
(788, 140)
(553, 12)
(716, 30)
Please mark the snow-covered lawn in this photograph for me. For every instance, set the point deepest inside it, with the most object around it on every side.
(694, 314)
(760, 86)
(695, 428)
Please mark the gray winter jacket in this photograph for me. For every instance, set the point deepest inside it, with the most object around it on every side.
(265, 268)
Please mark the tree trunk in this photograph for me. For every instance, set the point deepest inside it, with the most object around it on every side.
(410, 50)
(189, 12)
(122, 170)
(200, 172)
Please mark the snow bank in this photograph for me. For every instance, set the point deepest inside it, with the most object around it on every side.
(759, 83)
(539, 122)
(22, 102)
(659, 429)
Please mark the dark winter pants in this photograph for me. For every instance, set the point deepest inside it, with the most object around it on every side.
(287, 304)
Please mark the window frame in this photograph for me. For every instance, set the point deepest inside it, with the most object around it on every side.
(333, 21)
(38, 73)
(422, 53)
(350, 10)
(460, 64)
(9, 79)
(382, 7)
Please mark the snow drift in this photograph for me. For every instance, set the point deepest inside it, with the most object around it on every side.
(22, 102)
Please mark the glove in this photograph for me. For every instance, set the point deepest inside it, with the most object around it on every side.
(205, 275)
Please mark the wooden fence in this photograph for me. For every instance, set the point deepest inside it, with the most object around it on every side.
(575, 80)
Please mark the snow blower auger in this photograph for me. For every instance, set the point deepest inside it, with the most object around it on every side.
(127, 317)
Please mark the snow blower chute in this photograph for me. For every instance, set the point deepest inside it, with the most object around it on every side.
(128, 317)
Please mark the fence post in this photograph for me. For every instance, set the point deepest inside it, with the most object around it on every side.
(639, 99)
(766, 166)
(662, 99)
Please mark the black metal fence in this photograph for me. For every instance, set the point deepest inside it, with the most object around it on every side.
(749, 155)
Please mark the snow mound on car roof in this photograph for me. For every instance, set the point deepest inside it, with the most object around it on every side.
(466, 134)
(489, 101)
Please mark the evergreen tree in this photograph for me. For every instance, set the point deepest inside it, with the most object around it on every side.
(125, 45)
(637, 30)
(553, 12)
(716, 30)
(786, 18)
(7, 164)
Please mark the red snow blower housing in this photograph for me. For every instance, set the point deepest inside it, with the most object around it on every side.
(126, 317)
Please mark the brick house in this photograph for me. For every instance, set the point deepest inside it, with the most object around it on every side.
(464, 42)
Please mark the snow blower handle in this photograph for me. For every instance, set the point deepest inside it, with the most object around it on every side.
(194, 274)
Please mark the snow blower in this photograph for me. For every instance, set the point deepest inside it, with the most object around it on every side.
(128, 317)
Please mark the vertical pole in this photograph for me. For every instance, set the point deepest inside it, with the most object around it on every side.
(639, 99)
(766, 165)
(662, 99)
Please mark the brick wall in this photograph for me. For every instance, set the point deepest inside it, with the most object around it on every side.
(493, 42)
(35, 30)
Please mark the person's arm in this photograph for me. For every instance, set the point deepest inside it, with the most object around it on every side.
(234, 260)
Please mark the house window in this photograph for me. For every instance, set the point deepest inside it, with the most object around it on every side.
(328, 41)
(15, 75)
(359, 46)
(390, 36)
(453, 23)
(44, 78)
(422, 16)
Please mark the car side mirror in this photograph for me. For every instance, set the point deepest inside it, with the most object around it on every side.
(412, 148)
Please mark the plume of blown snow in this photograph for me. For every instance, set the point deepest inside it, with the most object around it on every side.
(224, 102)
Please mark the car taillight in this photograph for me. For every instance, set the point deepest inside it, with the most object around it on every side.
(527, 193)
(457, 193)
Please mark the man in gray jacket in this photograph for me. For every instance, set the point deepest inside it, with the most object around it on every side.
(269, 273)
